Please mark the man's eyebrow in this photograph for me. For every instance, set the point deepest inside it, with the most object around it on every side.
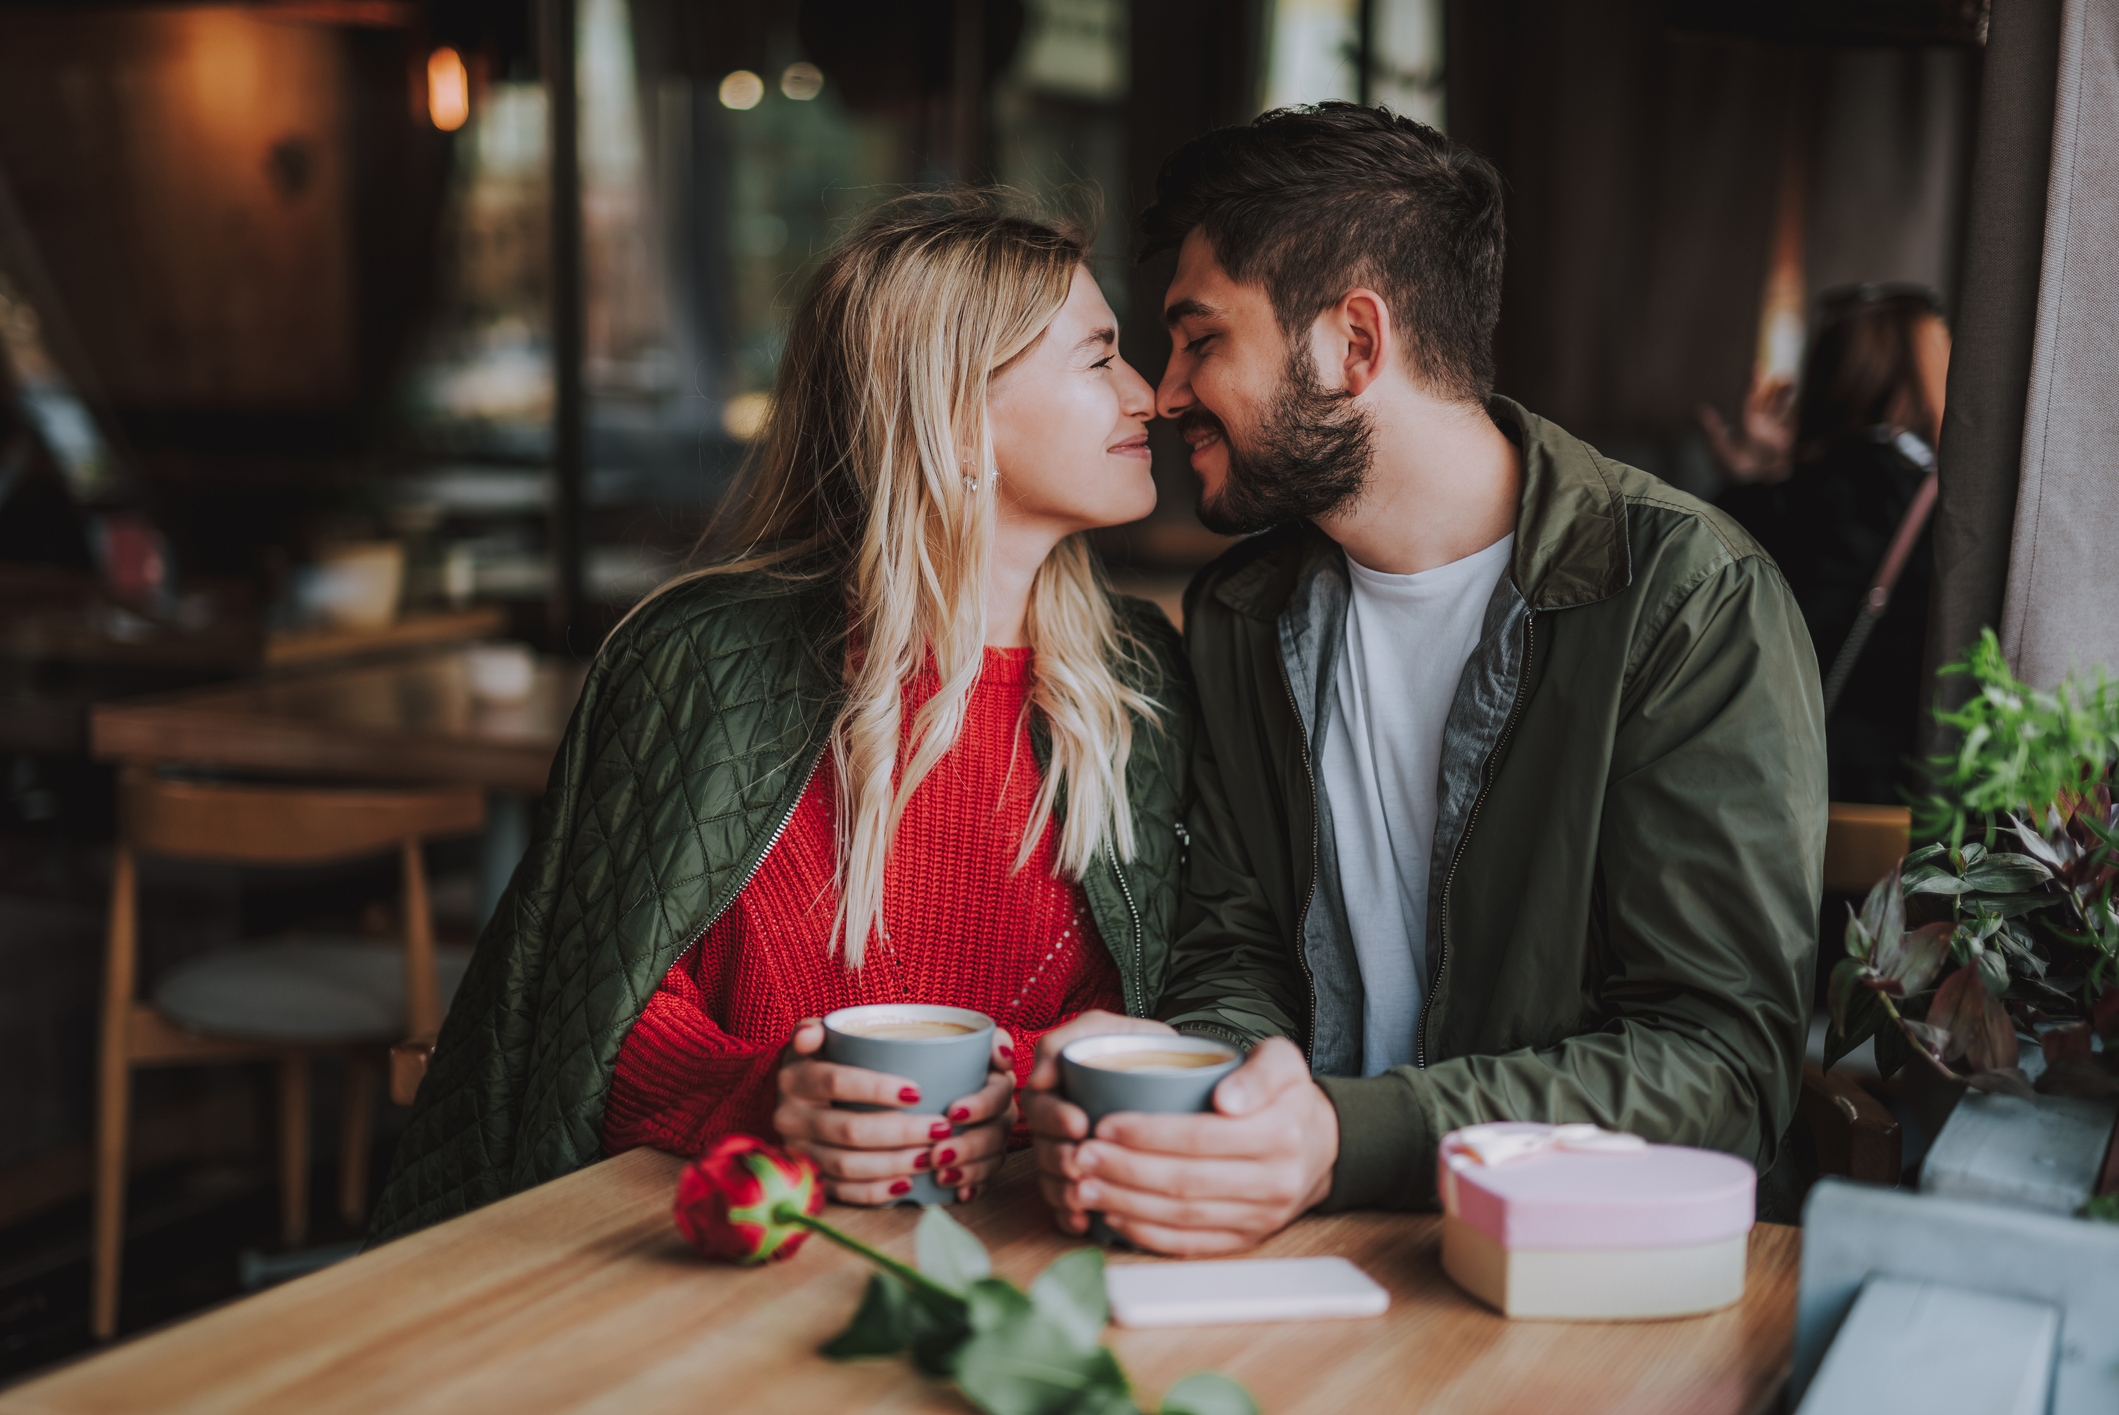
(1188, 309)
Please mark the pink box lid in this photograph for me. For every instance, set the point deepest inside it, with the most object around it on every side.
(1551, 1186)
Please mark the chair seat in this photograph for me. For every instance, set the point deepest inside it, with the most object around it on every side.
(301, 992)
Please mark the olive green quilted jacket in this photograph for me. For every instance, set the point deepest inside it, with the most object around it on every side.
(696, 732)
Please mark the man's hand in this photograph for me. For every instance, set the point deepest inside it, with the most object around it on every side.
(870, 1157)
(1191, 1184)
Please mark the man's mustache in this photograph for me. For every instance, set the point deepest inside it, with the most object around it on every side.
(1195, 420)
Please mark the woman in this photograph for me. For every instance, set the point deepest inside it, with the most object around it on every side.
(903, 746)
(1876, 370)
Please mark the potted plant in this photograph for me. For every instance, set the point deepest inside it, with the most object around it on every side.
(2001, 930)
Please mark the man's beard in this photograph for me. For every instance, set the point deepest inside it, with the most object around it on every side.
(1310, 456)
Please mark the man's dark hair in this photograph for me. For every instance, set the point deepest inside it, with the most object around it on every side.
(1311, 202)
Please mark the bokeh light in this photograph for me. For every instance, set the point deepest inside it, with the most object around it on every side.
(742, 89)
(448, 90)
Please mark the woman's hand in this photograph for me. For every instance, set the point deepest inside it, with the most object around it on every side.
(870, 1157)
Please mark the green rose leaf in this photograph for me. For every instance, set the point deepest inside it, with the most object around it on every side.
(1019, 1361)
(881, 1325)
(1071, 1294)
(947, 1251)
(1208, 1393)
(892, 1318)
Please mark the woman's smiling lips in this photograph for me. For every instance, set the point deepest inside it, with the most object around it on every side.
(1135, 446)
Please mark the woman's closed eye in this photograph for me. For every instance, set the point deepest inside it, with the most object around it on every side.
(1102, 363)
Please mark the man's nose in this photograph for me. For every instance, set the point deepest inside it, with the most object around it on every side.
(1174, 394)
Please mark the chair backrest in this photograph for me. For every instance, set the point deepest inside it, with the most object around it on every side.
(252, 824)
(1862, 843)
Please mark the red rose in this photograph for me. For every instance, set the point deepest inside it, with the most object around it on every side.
(737, 1201)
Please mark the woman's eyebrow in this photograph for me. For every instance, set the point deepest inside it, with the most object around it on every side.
(1097, 339)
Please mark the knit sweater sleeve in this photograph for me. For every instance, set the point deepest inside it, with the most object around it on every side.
(682, 1082)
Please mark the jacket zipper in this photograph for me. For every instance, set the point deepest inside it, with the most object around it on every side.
(759, 863)
(1302, 918)
(1508, 728)
(1140, 962)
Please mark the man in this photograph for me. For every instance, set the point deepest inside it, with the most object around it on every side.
(1511, 773)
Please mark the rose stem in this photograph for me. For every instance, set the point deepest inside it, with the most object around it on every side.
(910, 1276)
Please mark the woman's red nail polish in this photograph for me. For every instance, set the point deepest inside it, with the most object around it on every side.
(1007, 1053)
(902, 1186)
(910, 1095)
(921, 1160)
(952, 1176)
(939, 1130)
(945, 1157)
(961, 1114)
(971, 1193)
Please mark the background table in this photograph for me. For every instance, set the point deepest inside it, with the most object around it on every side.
(410, 719)
(579, 1297)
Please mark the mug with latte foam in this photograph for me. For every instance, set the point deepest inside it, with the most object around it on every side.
(942, 1050)
(1153, 1072)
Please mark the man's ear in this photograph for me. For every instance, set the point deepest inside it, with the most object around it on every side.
(1363, 321)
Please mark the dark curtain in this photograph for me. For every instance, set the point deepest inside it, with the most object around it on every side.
(1982, 435)
(1642, 167)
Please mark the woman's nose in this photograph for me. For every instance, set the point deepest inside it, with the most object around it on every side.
(1135, 398)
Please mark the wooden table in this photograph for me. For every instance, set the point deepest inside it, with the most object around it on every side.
(411, 719)
(579, 1297)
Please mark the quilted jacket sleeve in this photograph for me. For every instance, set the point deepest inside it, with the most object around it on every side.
(459, 1147)
(697, 728)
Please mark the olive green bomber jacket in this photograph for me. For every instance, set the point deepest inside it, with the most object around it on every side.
(1628, 848)
(696, 733)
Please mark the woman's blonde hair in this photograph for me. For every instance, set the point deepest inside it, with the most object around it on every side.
(876, 462)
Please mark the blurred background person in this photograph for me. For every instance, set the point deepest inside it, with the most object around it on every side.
(1859, 443)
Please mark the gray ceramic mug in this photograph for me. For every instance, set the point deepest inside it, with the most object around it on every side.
(947, 1067)
(1090, 1076)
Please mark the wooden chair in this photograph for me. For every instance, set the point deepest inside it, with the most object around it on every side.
(1856, 1135)
(1862, 843)
(282, 1004)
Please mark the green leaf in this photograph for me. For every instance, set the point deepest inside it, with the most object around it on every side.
(1994, 971)
(1208, 1393)
(947, 1251)
(882, 1325)
(1863, 1017)
(1893, 1051)
(1071, 1293)
(2008, 874)
(1021, 1362)
(1940, 883)
(2014, 906)
(1844, 993)
(892, 1318)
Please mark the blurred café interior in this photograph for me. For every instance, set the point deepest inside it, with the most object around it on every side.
(361, 362)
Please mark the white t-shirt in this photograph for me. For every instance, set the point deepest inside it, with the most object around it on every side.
(1407, 640)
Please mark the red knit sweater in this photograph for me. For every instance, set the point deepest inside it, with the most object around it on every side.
(965, 929)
